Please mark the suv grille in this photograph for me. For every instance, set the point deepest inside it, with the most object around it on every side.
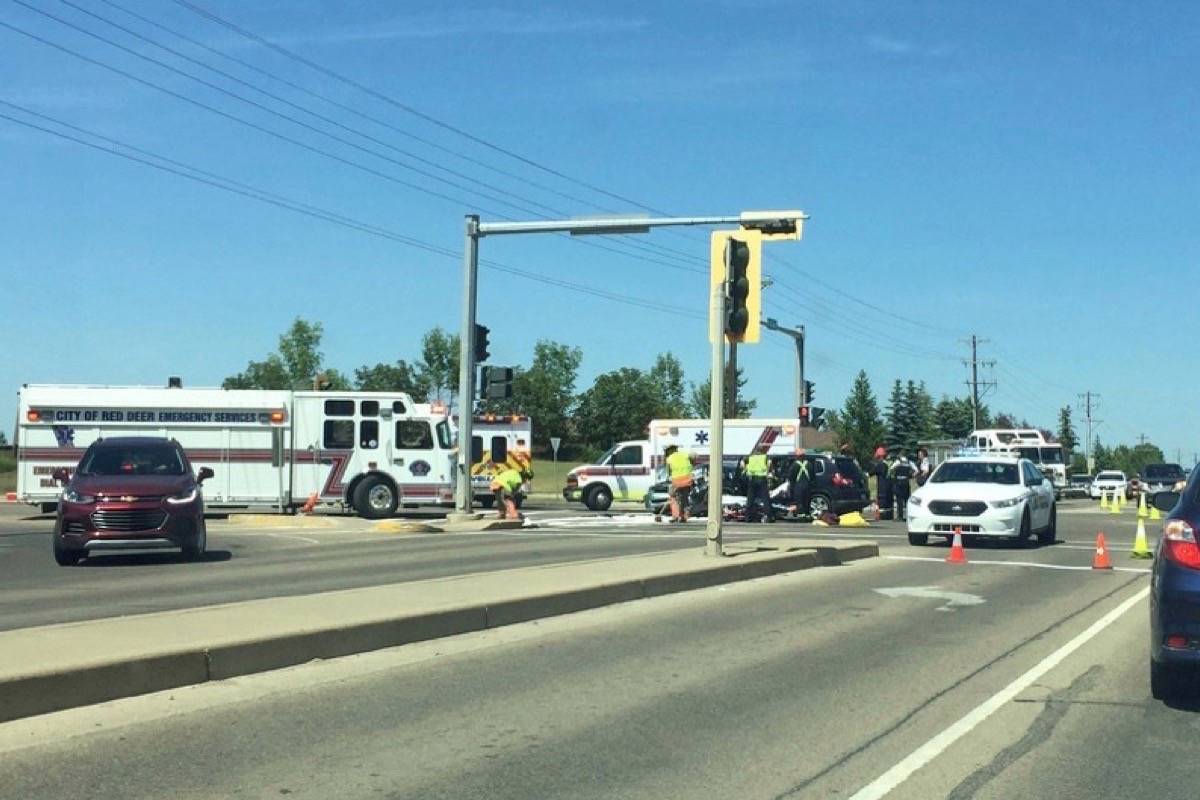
(957, 508)
(138, 520)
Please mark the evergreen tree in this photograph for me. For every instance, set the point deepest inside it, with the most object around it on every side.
(1066, 431)
(952, 418)
(921, 409)
(858, 423)
(898, 418)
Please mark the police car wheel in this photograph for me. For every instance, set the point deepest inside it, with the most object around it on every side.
(375, 499)
(1049, 534)
(918, 539)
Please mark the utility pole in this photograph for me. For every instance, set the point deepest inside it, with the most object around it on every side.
(798, 336)
(1141, 438)
(1087, 405)
(975, 383)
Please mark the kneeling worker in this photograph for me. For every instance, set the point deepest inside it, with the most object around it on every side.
(505, 485)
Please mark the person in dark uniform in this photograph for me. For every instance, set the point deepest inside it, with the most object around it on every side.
(883, 483)
(800, 477)
(901, 471)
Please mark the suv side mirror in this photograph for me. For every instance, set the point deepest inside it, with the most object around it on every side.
(61, 475)
(204, 474)
(1164, 501)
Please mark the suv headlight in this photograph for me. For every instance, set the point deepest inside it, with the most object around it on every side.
(1009, 503)
(71, 496)
(914, 501)
(186, 496)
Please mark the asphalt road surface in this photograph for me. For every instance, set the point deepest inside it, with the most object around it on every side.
(1020, 674)
(245, 564)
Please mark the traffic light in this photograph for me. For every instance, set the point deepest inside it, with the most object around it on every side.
(736, 262)
(495, 383)
(803, 416)
(808, 391)
(481, 343)
(815, 416)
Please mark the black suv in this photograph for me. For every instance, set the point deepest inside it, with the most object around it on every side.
(835, 483)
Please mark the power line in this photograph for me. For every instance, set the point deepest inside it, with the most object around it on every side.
(236, 187)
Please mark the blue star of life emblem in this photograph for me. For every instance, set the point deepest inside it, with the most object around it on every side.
(701, 437)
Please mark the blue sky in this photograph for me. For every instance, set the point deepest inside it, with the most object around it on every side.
(1024, 171)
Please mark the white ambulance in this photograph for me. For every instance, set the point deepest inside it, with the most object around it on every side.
(629, 469)
(498, 442)
(369, 451)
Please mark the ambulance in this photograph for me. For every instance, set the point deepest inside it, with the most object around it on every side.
(365, 451)
(498, 442)
(629, 469)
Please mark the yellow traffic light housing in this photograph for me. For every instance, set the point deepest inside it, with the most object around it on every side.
(736, 260)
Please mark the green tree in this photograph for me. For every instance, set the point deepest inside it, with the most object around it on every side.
(700, 403)
(1102, 456)
(1066, 431)
(858, 423)
(899, 432)
(3, 440)
(546, 391)
(438, 367)
(667, 374)
(921, 409)
(398, 377)
(952, 418)
(293, 366)
(618, 406)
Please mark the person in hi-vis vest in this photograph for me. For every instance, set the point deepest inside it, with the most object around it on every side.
(679, 467)
(758, 492)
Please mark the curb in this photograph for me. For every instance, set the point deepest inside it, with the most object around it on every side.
(33, 693)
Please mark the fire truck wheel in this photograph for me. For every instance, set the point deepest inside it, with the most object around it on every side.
(599, 498)
(375, 498)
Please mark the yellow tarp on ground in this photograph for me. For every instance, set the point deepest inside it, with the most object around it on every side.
(853, 520)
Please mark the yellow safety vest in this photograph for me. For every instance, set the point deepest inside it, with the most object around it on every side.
(679, 464)
(757, 466)
(510, 479)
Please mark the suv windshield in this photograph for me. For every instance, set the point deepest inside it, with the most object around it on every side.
(977, 472)
(1169, 472)
(141, 459)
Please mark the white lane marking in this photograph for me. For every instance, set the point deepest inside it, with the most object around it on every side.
(1139, 570)
(953, 599)
(294, 536)
(899, 773)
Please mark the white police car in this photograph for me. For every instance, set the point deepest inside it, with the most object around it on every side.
(984, 495)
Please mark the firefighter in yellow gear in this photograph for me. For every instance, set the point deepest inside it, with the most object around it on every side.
(505, 486)
(679, 467)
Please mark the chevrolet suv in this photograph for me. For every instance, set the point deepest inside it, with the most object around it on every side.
(130, 493)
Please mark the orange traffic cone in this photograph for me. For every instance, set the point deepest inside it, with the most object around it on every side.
(957, 554)
(1101, 561)
(309, 504)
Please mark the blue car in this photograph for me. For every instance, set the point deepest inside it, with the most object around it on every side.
(1175, 593)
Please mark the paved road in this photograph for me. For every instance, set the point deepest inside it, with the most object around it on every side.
(246, 564)
(816, 684)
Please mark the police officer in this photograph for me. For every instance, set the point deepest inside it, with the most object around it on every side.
(883, 483)
(800, 479)
(901, 472)
(758, 492)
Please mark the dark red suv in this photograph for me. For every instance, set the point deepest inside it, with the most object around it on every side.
(130, 493)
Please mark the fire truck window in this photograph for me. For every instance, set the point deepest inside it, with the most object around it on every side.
(476, 449)
(339, 408)
(499, 449)
(445, 441)
(369, 408)
(398, 407)
(414, 434)
(627, 456)
(339, 434)
(368, 434)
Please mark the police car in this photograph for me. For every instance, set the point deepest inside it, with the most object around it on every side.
(984, 495)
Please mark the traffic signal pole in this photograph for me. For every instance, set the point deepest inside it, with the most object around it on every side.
(466, 369)
(716, 409)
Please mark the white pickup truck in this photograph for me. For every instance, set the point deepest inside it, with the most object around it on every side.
(629, 469)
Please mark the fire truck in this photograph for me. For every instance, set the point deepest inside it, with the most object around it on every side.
(366, 451)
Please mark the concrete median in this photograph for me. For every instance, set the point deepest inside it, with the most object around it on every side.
(62, 666)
